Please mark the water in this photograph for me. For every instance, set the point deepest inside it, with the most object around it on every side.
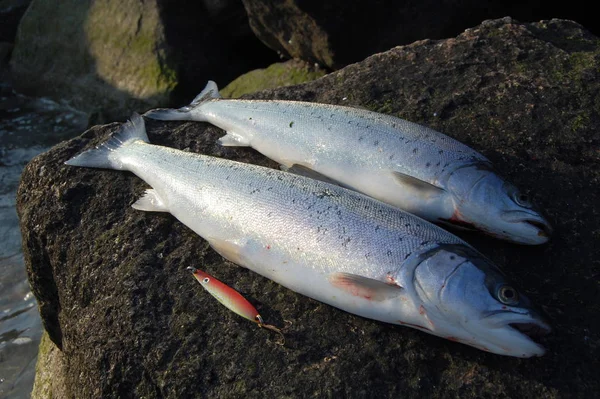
(28, 126)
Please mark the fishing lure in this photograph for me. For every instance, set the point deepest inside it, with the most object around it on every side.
(231, 299)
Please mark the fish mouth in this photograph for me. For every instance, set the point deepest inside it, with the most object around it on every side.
(518, 333)
(543, 227)
(534, 331)
(528, 227)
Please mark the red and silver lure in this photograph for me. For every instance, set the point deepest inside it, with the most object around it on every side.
(231, 299)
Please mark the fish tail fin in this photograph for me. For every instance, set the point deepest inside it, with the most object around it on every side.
(107, 154)
(190, 112)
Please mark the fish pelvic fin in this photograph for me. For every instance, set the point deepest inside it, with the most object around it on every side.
(418, 187)
(305, 171)
(210, 92)
(364, 287)
(106, 155)
(150, 202)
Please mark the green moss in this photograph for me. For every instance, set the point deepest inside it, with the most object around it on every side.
(277, 75)
(43, 376)
(581, 121)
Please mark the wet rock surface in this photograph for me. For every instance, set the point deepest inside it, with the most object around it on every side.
(129, 320)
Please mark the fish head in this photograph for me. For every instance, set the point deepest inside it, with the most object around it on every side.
(467, 299)
(484, 201)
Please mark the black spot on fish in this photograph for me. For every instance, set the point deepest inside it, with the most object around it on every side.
(360, 138)
(376, 142)
(424, 243)
(391, 157)
(389, 252)
(291, 123)
(415, 150)
(440, 151)
(407, 225)
(428, 164)
(407, 255)
(438, 164)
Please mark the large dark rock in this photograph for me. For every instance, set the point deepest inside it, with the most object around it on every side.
(11, 12)
(131, 322)
(110, 58)
(335, 33)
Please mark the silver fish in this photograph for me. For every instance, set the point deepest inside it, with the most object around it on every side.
(395, 161)
(329, 243)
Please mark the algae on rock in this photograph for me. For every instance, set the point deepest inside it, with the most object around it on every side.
(106, 56)
(281, 74)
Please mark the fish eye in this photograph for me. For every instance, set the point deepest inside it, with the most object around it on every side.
(205, 280)
(521, 199)
(508, 295)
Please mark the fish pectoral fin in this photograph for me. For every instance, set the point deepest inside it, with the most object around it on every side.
(229, 249)
(305, 171)
(232, 139)
(150, 202)
(417, 186)
(368, 288)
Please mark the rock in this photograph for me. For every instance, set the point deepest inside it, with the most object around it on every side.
(130, 321)
(11, 12)
(337, 33)
(50, 372)
(281, 74)
(114, 57)
(5, 50)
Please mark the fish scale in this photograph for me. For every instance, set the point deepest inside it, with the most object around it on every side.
(423, 152)
(329, 243)
(404, 164)
(341, 230)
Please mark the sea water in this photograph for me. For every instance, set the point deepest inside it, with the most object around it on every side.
(28, 126)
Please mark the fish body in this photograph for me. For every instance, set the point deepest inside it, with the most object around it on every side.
(393, 160)
(329, 243)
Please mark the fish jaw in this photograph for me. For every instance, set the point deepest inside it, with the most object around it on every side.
(514, 333)
(527, 227)
(484, 201)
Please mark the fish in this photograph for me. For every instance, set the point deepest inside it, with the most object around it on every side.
(331, 244)
(404, 164)
(230, 298)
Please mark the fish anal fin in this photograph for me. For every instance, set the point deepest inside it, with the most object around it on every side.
(417, 186)
(150, 202)
(364, 287)
(305, 171)
(232, 139)
(229, 249)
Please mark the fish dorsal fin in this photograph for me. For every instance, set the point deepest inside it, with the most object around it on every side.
(150, 202)
(417, 186)
(211, 90)
(364, 287)
(305, 171)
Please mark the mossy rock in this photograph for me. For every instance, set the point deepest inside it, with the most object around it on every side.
(103, 56)
(282, 74)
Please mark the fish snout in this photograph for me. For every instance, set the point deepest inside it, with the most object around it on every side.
(526, 227)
